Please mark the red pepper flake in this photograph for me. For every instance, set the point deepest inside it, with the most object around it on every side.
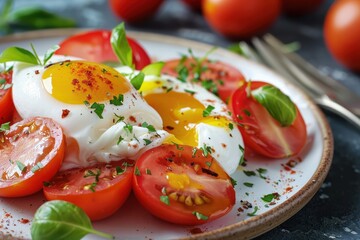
(24, 220)
(196, 230)
(65, 113)
(223, 145)
(169, 127)
(37, 71)
(286, 168)
(288, 189)
(132, 119)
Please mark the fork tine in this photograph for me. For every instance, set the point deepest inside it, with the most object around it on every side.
(342, 93)
(276, 62)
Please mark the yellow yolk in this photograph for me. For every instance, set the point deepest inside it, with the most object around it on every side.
(77, 81)
(181, 181)
(180, 113)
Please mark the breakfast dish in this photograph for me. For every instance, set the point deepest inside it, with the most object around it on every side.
(267, 191)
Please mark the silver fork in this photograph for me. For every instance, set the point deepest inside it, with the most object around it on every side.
(327, 93)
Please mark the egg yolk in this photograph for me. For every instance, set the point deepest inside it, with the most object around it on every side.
(77, 81)
(181, 113)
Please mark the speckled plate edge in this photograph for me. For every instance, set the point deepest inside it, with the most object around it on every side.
(259, 224)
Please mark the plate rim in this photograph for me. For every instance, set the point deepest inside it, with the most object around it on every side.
(255, 225)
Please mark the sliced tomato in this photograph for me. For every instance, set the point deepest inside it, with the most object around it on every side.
(260, 131)
(218, 77)
(6, 102)
(100, 190)
(31, 152)
(182, 186)
(95, 46)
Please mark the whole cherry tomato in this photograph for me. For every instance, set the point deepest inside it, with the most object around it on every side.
(134, 10)
(241, 18)
(342, 32)
(193, 4)
(6, 102)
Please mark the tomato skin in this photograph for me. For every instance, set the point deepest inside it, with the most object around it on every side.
(110, 192)
(134, 11)
(261, 132)
(231, 78)
(95, 46)
(342, 32)
(43, 140)
(299, 8)
(239, 19)
(180, 161)
(6, 102)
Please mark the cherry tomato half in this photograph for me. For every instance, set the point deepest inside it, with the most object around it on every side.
(95, 46)
(193, 4)
(182, 186)
(6, 102)
(134, 10)
(342, 32)
(31, 152)
(260, 131)
(100, 190)
(241, 18)
(218, 77)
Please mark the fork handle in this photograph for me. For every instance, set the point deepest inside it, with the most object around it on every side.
(338, 109)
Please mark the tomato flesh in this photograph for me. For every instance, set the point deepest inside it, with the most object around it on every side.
(218, 77)
(192, 184)
(260, 131)
(100, 190)
(31, 152)
(6, 102)
(95, 46)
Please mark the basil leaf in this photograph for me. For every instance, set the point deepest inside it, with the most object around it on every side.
(18, 54)
(138, 80)
(121, 46)
(153, 69)
(37, 18)
(62, 220)
(6, 9)
(50, 52)
(279, 105)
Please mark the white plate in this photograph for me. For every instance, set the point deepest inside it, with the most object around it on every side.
(296, 187)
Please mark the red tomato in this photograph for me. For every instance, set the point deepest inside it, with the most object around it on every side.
(299, 8)
(6, 102)
(100, 190)
(193, 4)
(181, 186)
(134, 10)
(241, 18)
(342, 32)
(218, 77)
(260, 131)
(31, 152)
(95, 46)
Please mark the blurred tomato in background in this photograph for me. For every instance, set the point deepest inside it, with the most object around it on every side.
(342, 32)
(239, 19)
(297, 8)
(134, 11)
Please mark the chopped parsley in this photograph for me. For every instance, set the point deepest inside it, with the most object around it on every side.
(268, 197)
(208, 111)
(231, 126)
(189, 91)
(98, 109)
(5, 126)
(148, 171)
(249, 173)
(21, 166)
(261, 171)
(117, 100)
(254, 212)
(119, 118)
(233, 182)
(137, 171)
(37, 167)
(128, 128)
(183, 74)
(242, 159)
(119, 170)
(248, 184)
(206, 150)
(200, 216)
(151, 128)
(138, 80)
(119, 140)
(147, 141)
(165, 199)
(247, 112)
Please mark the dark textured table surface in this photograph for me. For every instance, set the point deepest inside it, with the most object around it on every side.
(334, 212)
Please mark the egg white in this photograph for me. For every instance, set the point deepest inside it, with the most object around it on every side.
(98, 139)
